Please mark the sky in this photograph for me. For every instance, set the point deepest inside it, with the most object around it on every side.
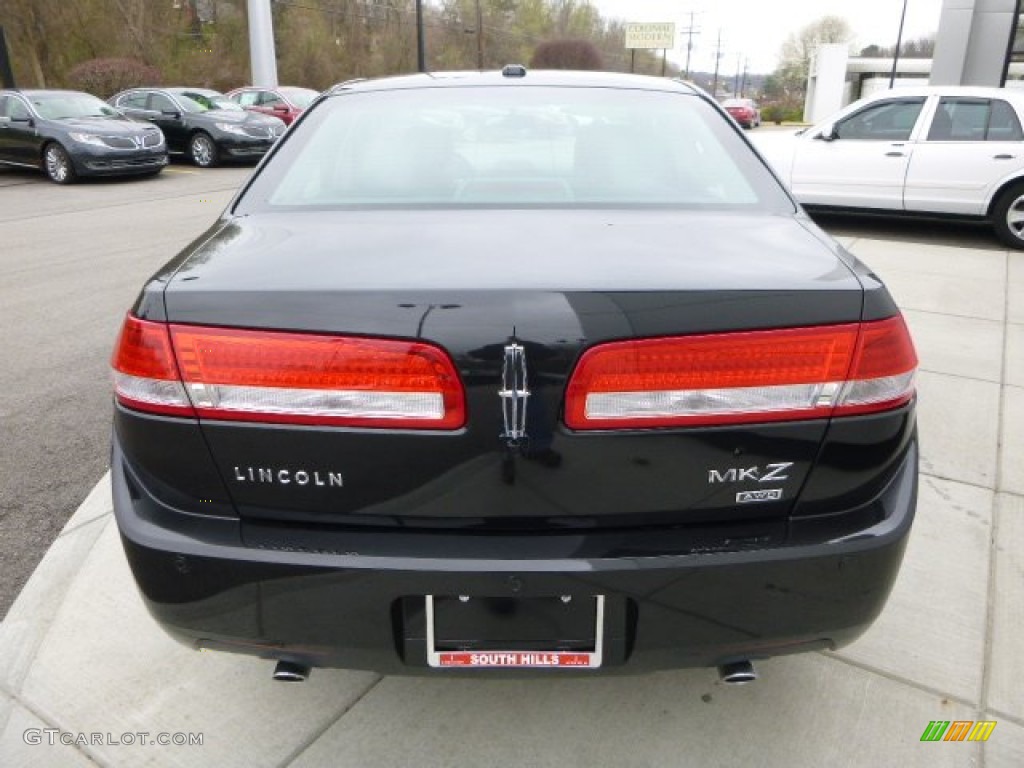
(754, 30)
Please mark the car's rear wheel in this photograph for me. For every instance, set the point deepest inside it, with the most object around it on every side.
(1008, 216)
(57, 164)
(202, 150)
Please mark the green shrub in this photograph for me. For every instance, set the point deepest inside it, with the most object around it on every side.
(780, 112)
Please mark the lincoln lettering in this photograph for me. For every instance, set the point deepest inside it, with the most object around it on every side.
(273, 476)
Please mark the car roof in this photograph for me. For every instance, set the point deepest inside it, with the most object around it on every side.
(975, 91)
(531, 77)
(281, 88)
(135, 89)
(189, 88)
(30, 92)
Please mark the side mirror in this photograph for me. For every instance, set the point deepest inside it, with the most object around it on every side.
(828, 133)
(171, 113)
(283, 108)
(4, 121)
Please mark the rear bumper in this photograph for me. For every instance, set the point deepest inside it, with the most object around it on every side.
(331, 607)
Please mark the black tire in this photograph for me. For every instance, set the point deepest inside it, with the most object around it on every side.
(1008, 216)
(57, 164)
(202, 150)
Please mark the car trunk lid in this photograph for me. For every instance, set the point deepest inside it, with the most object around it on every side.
(548, 285)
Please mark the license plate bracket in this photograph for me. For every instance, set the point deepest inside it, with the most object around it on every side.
(521, 653)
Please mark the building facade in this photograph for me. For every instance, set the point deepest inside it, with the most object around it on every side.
(978, 42)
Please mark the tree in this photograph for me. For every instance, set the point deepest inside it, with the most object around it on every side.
(799, 48)
(105, 77)
(319, 42)
(567, 54)
(919, 48)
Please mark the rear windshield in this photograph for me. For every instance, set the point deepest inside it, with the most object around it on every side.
(514, 146)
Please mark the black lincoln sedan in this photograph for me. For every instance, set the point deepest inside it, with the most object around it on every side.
(204, 125)
(527, 371)
(68, 134)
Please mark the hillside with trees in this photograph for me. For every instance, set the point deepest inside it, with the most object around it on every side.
(108, 44)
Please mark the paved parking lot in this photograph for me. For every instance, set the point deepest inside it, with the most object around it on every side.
(71, 262)
(79, 654)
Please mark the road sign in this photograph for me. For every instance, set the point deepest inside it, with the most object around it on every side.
(651, 35)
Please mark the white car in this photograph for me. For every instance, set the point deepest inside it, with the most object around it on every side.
(949, 151)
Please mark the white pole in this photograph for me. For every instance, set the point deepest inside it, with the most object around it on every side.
(262, 56)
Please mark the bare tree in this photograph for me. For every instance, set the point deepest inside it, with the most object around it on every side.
(798, 49)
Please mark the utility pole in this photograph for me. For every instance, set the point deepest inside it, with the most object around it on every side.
(421, 54)
(899, 43)
(479, 37)
(689, 32)
(743, 81)
(736, 80)
(262, 57)
(718, 59)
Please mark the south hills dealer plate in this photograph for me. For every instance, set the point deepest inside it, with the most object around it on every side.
(522, 648)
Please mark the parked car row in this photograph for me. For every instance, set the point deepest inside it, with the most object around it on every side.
(69, 134)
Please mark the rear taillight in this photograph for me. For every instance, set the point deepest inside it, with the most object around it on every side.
(298, 378)
(145, 373)
(747, 377)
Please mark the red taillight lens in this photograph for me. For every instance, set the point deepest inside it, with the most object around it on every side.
(777, 375)
(882, 373)
(298, 378)
(145, 374)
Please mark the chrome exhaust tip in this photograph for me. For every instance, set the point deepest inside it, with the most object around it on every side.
(737, 673)
(290, 672)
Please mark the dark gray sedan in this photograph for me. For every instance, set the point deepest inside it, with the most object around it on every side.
(202, 124)
(68, 134)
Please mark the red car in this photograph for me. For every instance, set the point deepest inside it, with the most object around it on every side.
(743, 111)
(285, 102)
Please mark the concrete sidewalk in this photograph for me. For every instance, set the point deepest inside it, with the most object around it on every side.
(79, 653)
